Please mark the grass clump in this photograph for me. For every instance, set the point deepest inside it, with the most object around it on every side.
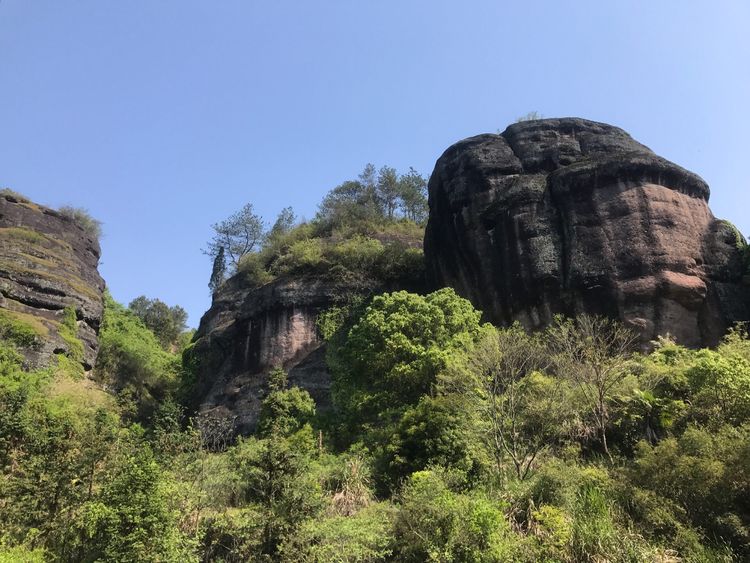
(21, 329)
(83, 219)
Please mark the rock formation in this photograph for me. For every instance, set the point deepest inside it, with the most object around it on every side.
(248, 331)
(48, 263)
(571, 216)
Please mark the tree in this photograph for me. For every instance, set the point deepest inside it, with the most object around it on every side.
(524, 409)
(387, 190)
(348, 203)
(218, 271)
(393, 354)
(166, 322)
(413, 195)
(283, 224)
(239, 234)
(594, 354)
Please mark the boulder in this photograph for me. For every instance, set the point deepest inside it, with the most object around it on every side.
(569, 216)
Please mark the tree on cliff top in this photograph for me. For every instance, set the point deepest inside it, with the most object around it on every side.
(239, 234)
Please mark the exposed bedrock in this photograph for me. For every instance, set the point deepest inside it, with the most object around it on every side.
(49, 263)
(249, 331)
(571, 216)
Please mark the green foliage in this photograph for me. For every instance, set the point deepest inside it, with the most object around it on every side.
(285, 411)
(83, 219)
(132, 360)
(131, 518)
(364, 537)
(721, 387)
(70, 362)
(167, 323)
(436, 524)
(707, 475)
(276, 478)
(253, 270)
(218, 270)
(303, 256)
(436, 432)
(393, 354)
(14, 328)
(238, 235)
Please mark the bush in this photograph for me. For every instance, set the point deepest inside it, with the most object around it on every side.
(14, 328)
(132, 361)
(436, 432)
(83, 219)
(362, 538)
(707, 475)
(357, 254)
(253, 271)
(436, 524)
(721, 387)
(303, 256)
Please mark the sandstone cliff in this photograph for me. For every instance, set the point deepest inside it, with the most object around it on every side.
(248, 331)
(48, 264)
(572, 216)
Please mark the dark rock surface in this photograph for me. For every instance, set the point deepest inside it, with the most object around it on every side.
(248, 331)
(48, 263)
(571, 216)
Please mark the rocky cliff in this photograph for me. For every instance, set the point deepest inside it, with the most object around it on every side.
(248, 331)
(48, 266)
(571, 216)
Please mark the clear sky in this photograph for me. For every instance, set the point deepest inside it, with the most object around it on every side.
(163, 117)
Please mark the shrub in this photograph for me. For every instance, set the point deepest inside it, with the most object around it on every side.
(132, 361)
(83, 219)
(253, 270)
(721, 384)
(362, 538)
(303, 256)
(436, 524)
(14, 328)
(357, 254)
(70, 363)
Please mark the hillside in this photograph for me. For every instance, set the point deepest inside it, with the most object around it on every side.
(561, 375)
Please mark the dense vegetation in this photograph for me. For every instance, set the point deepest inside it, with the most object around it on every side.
(366, 230)
(449, 440)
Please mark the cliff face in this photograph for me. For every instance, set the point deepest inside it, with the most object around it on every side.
(571, 216)
(48, 263)
(249, 331)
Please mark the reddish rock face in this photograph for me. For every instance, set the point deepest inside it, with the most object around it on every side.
(570, 216)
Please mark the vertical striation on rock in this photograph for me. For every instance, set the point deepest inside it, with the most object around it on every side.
(572, 216)
(48, 263)
(249, 331)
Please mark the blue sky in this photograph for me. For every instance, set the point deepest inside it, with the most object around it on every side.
(163, 117)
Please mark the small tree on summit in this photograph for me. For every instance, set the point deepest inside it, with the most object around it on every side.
(237, 235)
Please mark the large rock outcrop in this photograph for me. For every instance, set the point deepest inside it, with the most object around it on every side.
(48, 263)
(571, 216)
(248, 331)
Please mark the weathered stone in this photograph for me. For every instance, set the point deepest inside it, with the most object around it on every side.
(47, 264)
(248, 331)
(571, 216)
